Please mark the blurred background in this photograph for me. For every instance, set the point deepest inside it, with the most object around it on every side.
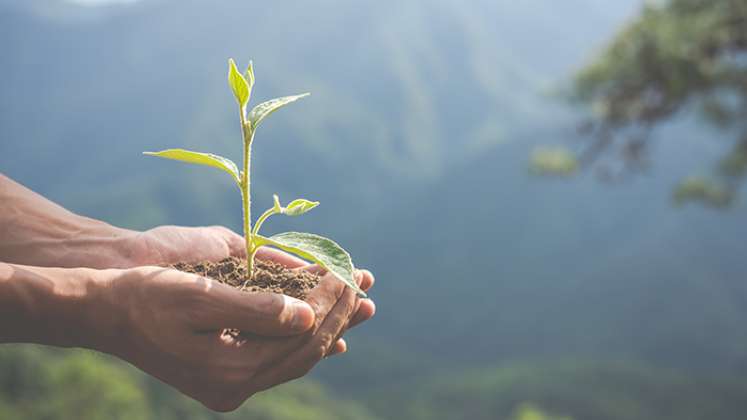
(549, 194)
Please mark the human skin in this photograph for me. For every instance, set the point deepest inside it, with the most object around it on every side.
(38, 232)
(73, 281)
(171, 325)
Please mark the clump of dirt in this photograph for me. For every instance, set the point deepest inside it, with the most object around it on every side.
(268, 276)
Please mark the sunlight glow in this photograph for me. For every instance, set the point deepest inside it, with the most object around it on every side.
(100, 2)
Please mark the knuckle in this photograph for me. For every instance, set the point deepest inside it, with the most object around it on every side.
(270, 304)
(316, 354)
(218, 228)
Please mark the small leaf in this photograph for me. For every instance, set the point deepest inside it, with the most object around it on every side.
(249, 76)
(276, 204)
(198, 158)
(318, 249)
(264, 109)
(299, 206)
(239, 85)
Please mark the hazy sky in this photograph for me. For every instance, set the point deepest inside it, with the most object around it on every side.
(99, 2)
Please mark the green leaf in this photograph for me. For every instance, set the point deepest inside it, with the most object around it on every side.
(318, 249)
(299, 206)
(239, 85)
(264, 109)
(249, 76)
(198, 158)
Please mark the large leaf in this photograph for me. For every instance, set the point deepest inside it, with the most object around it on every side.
(198, 158)
(264, 109)
(238, 83)
(318, 249)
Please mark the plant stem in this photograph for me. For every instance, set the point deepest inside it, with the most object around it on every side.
(247, 135)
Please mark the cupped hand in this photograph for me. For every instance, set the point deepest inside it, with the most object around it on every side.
(173, 326)
(171, 244)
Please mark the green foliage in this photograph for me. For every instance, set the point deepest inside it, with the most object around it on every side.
(703, 190)
(80, 385)
(301, 400)
(675, 51)
(323, 251)
(678, 54)
(261, 111)
(298, 207)
(239, 85)
(735, 164)
(52, 384)
(529, 411)
(553, 161)
(579, 391)
(198, 158)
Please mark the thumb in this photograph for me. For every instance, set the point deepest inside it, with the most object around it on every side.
(235, 242)
(261, 313)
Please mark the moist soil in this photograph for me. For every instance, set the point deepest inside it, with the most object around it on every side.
(268, 276)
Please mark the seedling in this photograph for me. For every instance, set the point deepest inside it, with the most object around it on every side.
(325, 252)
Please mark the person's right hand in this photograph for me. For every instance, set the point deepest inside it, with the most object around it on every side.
(173, 328)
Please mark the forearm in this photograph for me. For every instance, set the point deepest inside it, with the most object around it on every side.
(55, 306)
(38, 232)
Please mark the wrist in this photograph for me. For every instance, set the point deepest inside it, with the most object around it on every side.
(100, 245)
(102, 315)
(58, 307)
(37, 232)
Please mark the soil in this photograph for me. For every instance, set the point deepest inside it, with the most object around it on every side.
(268, 276)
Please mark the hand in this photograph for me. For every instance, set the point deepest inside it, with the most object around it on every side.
(171, 244)
(365, 308)
(174, 324)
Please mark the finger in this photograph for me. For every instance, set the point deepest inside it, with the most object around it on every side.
(341, 346)
(270, 314)
(302, 361)
(364, 277)
(280, 257)
(364, 308)
(312, 268)
(367, 279)
(366, 311)
(322, 300)
(324, 297)
(235, 242)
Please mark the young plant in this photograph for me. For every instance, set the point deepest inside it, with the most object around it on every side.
(325, 252)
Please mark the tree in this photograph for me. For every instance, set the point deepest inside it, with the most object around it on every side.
(677, 55)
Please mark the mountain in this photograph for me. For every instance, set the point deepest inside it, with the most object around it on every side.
(401, 92)
(415, 140)
(571, 390)
(43, 383)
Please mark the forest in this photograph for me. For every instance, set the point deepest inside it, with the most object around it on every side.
(551, 198)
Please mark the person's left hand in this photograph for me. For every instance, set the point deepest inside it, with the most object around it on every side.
(171, 244)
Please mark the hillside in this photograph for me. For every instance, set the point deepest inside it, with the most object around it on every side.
(578, 391)
(415, 140)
